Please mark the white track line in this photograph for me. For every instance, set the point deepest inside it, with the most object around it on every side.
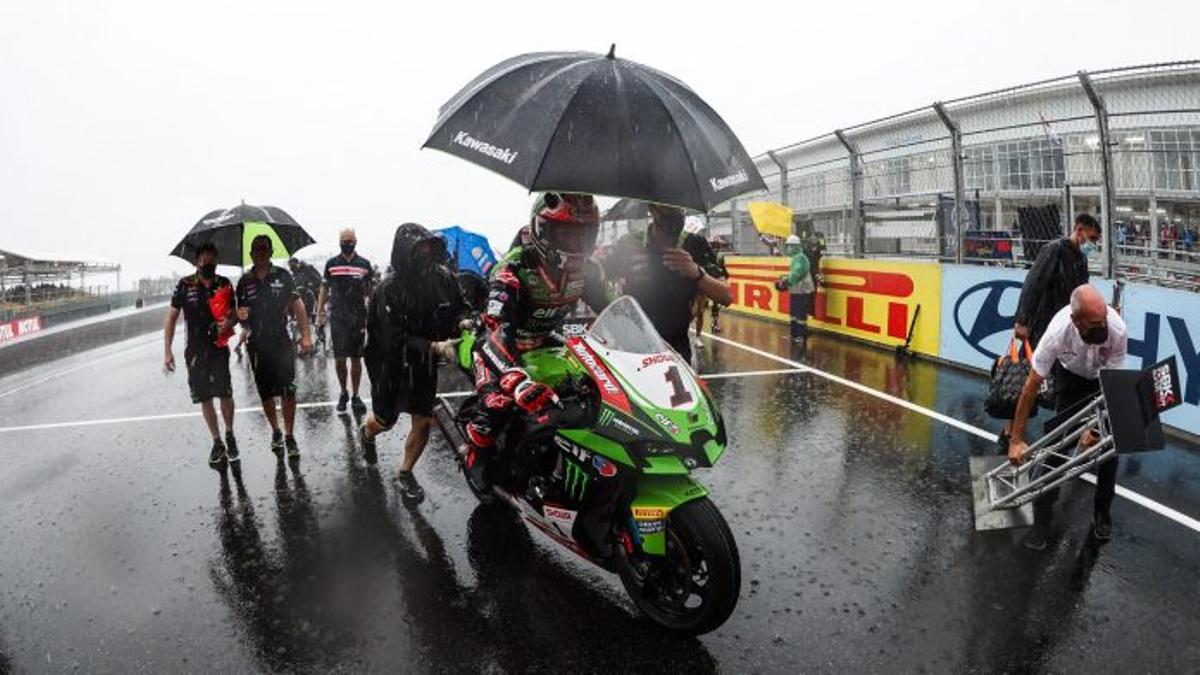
(750, 373)
(310, 404)
(1141, 500)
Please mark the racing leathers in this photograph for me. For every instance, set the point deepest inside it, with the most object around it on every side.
(527, 301)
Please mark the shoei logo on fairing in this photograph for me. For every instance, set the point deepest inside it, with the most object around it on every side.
(506, 155)
(598, 371)
(719, 184)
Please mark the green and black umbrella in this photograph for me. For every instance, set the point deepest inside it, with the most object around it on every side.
(233, 229)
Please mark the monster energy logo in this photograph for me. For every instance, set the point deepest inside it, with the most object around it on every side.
(606, 417)
(575, 480)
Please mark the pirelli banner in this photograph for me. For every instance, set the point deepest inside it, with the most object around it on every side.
(875, 300)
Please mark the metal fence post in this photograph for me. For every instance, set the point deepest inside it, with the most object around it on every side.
(783, 177)
(1108, 223)
(733, 226)
(860, 226)
(960, 201)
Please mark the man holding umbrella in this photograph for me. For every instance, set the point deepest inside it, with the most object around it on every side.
(348, 283)
(206, 356)
(265, 294)
(664, 268)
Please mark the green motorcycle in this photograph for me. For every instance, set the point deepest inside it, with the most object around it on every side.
(606, 471)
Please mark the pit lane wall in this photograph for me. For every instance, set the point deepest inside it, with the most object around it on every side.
(966, 313)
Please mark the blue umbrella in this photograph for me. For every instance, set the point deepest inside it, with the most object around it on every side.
(470, 252)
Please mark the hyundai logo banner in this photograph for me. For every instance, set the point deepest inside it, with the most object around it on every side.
(979, 303)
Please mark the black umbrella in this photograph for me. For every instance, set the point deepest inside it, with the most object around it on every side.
(226, 228)
(627, 209)
(583, 122)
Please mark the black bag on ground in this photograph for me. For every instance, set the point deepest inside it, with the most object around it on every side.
(1009, 373)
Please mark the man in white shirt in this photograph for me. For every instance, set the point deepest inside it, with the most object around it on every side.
(1081, 339)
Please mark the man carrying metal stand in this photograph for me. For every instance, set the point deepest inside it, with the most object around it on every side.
(1081, 339)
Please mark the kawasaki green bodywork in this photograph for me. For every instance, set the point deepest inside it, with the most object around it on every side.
(663, 451)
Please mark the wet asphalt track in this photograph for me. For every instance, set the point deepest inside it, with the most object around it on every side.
(121, 551)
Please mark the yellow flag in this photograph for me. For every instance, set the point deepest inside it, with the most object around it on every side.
(771, 218)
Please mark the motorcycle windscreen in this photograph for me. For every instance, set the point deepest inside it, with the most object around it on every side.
(647, 366)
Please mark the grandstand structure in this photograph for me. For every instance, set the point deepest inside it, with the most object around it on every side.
(1015, 163)
(29, 281)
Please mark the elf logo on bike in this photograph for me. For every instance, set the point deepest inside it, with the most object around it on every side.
(667, 423)
(575, 480)
(649, 513)
(572, 449)
(609, 390)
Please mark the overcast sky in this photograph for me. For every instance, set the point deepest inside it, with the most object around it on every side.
(121, 123)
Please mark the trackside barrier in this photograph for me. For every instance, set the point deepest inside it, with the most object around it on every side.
(967, 313)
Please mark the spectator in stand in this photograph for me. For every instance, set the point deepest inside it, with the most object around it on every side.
(1189, 239)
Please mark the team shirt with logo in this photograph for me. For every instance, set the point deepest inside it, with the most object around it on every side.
(349, 283)
(267, 300)
(191, 298)
(1061, 342)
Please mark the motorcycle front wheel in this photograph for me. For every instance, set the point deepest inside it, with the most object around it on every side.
(694, 588)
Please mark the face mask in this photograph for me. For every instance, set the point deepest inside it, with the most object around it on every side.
(208, 271)
(347, 248)
(1088, 247)
(1096, 335)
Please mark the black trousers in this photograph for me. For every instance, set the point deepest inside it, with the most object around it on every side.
(1072, 393)
(800, 305)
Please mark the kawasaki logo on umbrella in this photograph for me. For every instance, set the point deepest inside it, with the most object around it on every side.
(506, 155)
(719, 184)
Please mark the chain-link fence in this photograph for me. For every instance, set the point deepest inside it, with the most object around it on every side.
(989, 178)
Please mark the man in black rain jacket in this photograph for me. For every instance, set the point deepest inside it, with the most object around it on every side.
(410, 319)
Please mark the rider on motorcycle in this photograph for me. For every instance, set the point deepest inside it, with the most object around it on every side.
(534, 287)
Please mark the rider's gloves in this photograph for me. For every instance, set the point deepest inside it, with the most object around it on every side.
(530, 396)
(533, 397)
(510, 378)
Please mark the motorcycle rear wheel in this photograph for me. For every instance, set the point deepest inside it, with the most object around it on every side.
(694, 588)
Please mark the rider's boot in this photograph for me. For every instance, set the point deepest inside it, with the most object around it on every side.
(476, 453)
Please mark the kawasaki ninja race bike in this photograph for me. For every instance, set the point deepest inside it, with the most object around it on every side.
(606, 472)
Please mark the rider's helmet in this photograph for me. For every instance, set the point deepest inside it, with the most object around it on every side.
(563, 229)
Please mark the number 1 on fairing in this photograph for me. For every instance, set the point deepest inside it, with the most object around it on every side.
(679, 395)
